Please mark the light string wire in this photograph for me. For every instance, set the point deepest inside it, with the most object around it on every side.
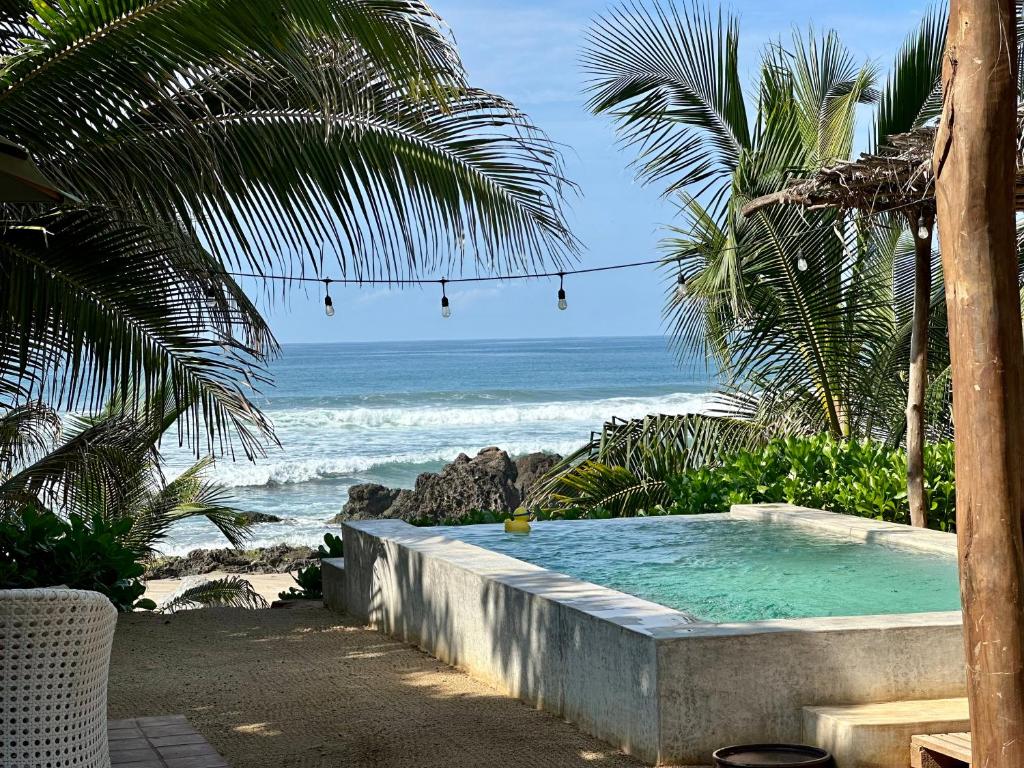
(559, 273)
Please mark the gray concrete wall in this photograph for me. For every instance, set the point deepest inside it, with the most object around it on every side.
(531, 633)
(332, 581)
(729, 684)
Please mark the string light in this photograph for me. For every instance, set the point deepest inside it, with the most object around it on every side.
(922, 229)
(682, 289)
(446, 310)
(328, 303)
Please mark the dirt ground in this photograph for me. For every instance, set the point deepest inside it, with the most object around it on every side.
(304, 687)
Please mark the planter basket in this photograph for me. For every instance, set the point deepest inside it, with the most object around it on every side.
(54, 659)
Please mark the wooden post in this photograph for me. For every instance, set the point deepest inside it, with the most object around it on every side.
(917, 380)
(974, 166)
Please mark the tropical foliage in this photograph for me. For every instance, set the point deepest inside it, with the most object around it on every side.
(806, 313)
(84, 502)
(210, 135)
(857, 477)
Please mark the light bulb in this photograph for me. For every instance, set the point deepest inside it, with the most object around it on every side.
(801, 262)
(562, 303)
(328, 304)
(682, 289)
(922, 229)
(446, 310)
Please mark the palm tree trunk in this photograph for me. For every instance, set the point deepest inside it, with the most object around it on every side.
(917, 384)
(975, 168)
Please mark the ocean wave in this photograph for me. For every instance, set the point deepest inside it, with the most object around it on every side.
(294, 471)
(592, 412)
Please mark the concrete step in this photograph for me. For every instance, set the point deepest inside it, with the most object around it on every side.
(878, 735)
(332, 577)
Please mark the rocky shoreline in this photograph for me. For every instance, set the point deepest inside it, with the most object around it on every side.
(491, 481)
(280, 558)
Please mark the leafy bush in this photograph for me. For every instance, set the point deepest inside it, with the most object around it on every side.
(863, 478)
(40, 549)
(309, 580)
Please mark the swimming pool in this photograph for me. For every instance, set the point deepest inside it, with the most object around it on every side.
(671, 666)
(731, 569)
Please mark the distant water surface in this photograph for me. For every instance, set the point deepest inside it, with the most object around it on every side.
(385, 412)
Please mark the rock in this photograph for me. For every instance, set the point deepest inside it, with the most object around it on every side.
(367, 501)
(487, 481)
(280, 558)
(255, 518)
(531, 468)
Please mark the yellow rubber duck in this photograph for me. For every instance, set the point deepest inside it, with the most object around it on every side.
(519, 522)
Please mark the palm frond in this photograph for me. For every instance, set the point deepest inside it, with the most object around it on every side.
(225, 592)
(669, 76)
(912, 94)
(26, 432)
(95, 302)
(345, 123)
(188, 495)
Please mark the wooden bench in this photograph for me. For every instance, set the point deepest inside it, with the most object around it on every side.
(941, 750)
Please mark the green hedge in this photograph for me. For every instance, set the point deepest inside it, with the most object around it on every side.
(862, 478)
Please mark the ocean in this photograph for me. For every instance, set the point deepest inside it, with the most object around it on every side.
(354, 413)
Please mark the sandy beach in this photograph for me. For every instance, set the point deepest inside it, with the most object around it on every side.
(305, 687)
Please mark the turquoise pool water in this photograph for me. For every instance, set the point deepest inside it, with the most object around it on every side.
(733, 570)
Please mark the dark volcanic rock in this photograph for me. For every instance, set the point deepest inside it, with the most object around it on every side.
(279, 558)
(367, 501)
(487, 481)
(531, 468)
(255, 518)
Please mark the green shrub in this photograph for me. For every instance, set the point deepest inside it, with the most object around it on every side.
(40, 549)
(863, 478)
(309, 580)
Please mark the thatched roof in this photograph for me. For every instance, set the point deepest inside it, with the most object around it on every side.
(897, 177)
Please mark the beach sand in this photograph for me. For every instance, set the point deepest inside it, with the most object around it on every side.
(306, 687)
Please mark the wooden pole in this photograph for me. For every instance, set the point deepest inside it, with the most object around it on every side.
(974, 167)
(917, 379)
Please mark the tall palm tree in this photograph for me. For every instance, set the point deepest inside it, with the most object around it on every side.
(777, 300)
(799, 310)
(205, 135)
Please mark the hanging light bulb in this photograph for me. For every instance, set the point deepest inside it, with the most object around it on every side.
(446, 310)
(923, 230)
(801, 262)
(682, 289)
(328, 304)
(562, 303)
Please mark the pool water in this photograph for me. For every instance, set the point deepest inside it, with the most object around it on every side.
(733, 570)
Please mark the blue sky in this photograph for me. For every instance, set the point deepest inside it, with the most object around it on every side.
(527, 50)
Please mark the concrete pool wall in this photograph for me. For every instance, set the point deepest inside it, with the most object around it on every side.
(652, 680)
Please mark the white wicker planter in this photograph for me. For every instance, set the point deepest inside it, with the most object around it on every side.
(54, 659)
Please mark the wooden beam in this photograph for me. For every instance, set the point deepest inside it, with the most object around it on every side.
(975, 172)
(921, 221)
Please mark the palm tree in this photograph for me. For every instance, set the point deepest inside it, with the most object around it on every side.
(205, 135)
(800, 310)
(109, 467)
(779, 301)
